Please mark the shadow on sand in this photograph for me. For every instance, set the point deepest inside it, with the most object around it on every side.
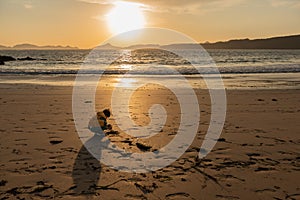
(87, 166)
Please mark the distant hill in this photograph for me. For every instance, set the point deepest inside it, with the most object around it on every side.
(33, 47)
(4, 47)
(285, 42)
(107, 46)
(144, 46)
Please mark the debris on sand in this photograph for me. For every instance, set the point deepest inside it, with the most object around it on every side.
(143, 147)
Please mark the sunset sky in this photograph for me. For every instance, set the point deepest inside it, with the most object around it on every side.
(86, 23)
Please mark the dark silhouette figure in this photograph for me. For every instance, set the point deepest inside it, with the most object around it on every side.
(86, 169)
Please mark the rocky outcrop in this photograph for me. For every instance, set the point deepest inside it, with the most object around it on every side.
(26, 58)
(6, 58)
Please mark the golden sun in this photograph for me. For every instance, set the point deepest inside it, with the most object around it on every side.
(125, 16)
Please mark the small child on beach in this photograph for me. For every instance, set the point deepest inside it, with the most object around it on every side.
(100, 119)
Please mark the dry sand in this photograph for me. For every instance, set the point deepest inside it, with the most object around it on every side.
(257, 156)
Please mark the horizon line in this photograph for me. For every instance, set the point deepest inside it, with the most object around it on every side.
(101, 44)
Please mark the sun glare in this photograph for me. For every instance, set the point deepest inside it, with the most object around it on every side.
(125, 16)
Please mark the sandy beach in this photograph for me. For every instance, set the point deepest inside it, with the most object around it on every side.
(149, 100)
(256, 157)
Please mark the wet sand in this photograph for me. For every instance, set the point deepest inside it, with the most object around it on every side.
(256, 157)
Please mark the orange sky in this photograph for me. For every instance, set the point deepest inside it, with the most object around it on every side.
(86, 23)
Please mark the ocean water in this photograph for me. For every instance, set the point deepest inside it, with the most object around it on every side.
(150, 62)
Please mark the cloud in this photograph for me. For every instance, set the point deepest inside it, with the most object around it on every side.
(285, 3)
(191, 6)
(103, 2)
(27, 6)
(177, 6)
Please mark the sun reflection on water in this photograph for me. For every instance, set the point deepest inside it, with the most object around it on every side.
(125, 67)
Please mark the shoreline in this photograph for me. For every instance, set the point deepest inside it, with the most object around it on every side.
(230, 81)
